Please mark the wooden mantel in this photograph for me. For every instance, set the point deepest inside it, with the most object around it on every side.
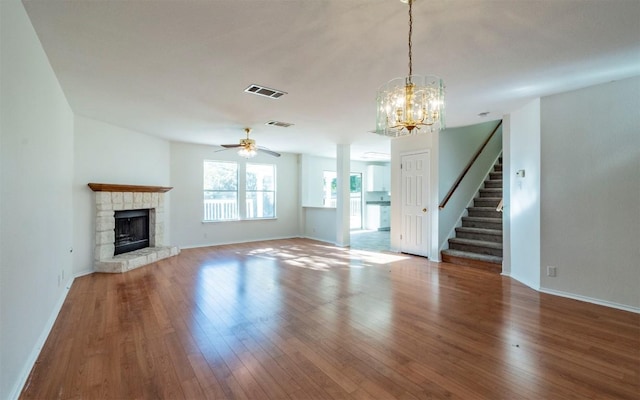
(111, 187)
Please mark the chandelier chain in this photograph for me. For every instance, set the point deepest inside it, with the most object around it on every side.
(410, 34)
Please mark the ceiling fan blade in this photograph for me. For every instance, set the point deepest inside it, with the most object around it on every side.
(230, 146)
(270, 152)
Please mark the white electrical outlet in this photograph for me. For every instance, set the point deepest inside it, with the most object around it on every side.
(551, 271)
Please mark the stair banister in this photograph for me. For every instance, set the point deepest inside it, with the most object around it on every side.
(468, 167)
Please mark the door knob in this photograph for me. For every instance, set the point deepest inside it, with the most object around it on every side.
(424, 210)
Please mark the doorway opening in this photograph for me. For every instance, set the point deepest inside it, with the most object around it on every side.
(329, 199)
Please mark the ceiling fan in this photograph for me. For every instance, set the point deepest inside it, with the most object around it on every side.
(248, 147)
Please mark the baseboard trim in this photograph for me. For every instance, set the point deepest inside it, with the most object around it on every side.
(35, 353)
(578, 297)
(84, 272)
(198, 246)
(523, 281)
(592, 300)
(321, 240)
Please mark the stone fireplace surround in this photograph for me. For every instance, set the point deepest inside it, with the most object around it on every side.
(111, 198)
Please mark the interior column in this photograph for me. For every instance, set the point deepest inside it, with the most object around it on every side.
(343, 172)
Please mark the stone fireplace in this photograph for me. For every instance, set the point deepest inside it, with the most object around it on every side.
(135, 201)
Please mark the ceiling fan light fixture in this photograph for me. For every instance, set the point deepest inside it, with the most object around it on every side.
(248, 148)
(405, 105)
(247, 152)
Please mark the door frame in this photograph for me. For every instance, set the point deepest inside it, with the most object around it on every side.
(433, 207)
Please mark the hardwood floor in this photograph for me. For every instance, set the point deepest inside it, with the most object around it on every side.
(304, 320)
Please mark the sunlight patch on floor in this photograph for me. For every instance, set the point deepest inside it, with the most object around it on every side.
(314, 256)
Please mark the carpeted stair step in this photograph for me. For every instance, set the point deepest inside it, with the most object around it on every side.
(491, 192)
(478, 242)
(487, 235)
(480, 261)
(480, 222)
(493, 184)
(476, 246)
(483, 257)
(487, 212)
(487, 202)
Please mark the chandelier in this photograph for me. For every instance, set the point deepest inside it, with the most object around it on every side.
(405, 105)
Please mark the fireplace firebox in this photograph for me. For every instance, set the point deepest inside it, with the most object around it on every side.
(131, 230)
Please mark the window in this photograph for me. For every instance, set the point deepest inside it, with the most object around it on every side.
(220, 190)
(261, 191)
(228, 184)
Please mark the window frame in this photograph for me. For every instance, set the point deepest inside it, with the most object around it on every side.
(241, 191)
(274, 191)
(205, 191)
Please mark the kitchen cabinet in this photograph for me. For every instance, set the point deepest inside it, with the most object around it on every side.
(378, 178)
(385, 218)
(378, 216)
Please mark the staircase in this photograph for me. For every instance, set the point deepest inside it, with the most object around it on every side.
(478, 242)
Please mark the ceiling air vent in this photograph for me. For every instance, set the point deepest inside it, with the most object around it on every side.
(279, 123)
(265, 91)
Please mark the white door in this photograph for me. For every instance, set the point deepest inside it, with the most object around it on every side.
(416, 220)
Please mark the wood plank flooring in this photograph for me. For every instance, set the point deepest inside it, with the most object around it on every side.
(299, 319)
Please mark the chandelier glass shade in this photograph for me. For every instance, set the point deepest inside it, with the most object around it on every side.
(406, 105)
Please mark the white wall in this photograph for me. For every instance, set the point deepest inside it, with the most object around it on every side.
(105, 153)
(506, 195)
(36, 164)
(590, 187)
(523, 202)
(187, 228)
(311, 170)
(457, 147)
(316, 224)
(320, 224)
(400, 146)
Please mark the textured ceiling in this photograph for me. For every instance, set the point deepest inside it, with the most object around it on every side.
(177, 69)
